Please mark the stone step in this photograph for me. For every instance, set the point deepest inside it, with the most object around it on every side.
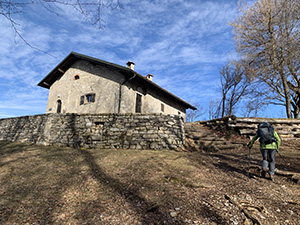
(226, 145)
(208, 140)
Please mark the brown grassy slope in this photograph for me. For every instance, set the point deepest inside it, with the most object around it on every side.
(50, 185)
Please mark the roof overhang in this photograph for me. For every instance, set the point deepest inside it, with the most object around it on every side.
(66, 63)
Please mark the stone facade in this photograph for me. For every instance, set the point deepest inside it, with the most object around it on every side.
(81, 84)
(83, 78)
(134, 131)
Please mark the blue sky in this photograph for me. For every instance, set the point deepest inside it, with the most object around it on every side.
(182, 43)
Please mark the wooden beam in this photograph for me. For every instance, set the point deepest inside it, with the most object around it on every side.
(60, 70)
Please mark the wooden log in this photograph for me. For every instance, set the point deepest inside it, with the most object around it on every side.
(242, 125)
(293, 202)
(279, 132)
(245, 211)
(270, 120)
(295, 177)
(286, 126)
(247, 131)
(288, 132)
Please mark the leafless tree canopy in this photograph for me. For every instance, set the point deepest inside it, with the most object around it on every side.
(193, 115)
(214, 109)
(90, 9)
(268, 39)
(234, 85)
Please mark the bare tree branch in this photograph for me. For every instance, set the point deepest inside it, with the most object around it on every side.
(234, 85)
(193, 115)
(268, 38)
(90, 9)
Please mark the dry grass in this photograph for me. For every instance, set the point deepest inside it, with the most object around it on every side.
(42, 185)
(50, 185)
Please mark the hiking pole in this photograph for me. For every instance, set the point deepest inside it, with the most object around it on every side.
(287, 164)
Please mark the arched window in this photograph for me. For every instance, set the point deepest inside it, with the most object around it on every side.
(58, 106)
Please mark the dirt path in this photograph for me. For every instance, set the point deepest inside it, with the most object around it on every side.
(240, 194)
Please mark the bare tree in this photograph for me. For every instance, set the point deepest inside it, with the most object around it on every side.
(90, 9)
(252, 107)
(193, 115)
(234, 85)
(213, 109)
(268, 39)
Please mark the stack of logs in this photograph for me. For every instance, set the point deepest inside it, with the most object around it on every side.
(288, 129)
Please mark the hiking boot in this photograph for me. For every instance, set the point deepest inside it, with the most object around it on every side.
(263, 173)
(272, 177)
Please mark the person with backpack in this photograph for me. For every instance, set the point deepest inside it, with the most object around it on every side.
(269, 144)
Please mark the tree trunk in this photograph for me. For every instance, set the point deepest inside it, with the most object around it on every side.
(287, 95)
(223, 105)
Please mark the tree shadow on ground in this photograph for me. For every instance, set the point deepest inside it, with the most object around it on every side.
(34, 188)
(131, 194)
(229, 168)
(6, 147)
(28, 195)
(214, 215)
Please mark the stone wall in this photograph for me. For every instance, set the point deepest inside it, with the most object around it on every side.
(135, 131)
(287, 129)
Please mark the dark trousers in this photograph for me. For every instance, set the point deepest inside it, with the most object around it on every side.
(268, 160)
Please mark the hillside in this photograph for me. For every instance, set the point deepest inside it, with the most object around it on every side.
(196, 185)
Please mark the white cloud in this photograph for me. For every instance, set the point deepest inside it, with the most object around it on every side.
(181, 42)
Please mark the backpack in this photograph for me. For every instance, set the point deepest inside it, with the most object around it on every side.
(265, 133)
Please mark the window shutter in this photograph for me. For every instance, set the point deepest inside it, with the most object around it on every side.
(93, 97)
(81, 100)
(162, 107)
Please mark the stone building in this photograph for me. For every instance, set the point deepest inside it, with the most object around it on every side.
(86, 85)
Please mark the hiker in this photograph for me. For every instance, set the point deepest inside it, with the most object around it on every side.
(269, 144)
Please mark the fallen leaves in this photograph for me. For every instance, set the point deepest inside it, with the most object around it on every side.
(70, 186)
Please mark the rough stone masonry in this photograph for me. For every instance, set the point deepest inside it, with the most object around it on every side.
(134, 131)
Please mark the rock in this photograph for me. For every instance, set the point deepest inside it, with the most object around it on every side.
(173, 214)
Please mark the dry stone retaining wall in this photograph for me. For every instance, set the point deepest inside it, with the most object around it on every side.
(135, 131)
(247, 126)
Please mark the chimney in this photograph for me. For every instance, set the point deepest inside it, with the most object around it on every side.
(149, 76)
(130, 65)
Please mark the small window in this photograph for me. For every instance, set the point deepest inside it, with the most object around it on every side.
(162, 107)
(81, 100)
(179, 113)
(90, 98)
(138, 104)
(87, 98)
(58, 106)
(76, 77)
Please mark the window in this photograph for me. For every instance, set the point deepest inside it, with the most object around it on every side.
(88, 98)
(81, 100)
(58, 106)
(138, 105)
(162, 107)
(76, 77)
